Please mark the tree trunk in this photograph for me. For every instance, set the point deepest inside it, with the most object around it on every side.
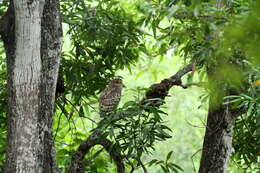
(24, 144)
(217, 146)
(33, 57)
(51, 41)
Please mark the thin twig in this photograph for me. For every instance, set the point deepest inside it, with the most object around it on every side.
(56, 131)
(78, 111)
(194, 169)
(189, 123)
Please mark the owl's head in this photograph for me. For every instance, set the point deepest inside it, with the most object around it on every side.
(116, 81)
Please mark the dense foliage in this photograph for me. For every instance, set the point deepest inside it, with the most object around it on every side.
(104, 36)
(223, 41)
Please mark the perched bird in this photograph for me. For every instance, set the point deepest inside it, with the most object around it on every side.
(110, 96)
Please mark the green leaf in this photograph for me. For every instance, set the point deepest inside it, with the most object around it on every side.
(62, 152)
(81, 111)
(176, 166)
(173, 169)
(129, 103)
(160, 162)
(152, 162)
(169, 156)
(164, 169)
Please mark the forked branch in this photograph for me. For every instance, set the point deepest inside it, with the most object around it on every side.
(96, 138)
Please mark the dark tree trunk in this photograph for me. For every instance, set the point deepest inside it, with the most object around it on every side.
(51, 43)
(217, 145)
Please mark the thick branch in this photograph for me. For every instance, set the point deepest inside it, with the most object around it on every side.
(96, 138)
(182, 72)
(157, 93)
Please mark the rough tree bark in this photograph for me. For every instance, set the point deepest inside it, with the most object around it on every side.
(51, 44)
(32, 62)
(24, 72)
(217, 145)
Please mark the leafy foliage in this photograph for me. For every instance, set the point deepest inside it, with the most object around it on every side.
(103, 38)
(137, 129)
(246, 132)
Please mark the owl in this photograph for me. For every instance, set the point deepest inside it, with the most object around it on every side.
(110, 96)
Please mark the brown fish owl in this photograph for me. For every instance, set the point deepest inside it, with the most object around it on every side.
(110, 96)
